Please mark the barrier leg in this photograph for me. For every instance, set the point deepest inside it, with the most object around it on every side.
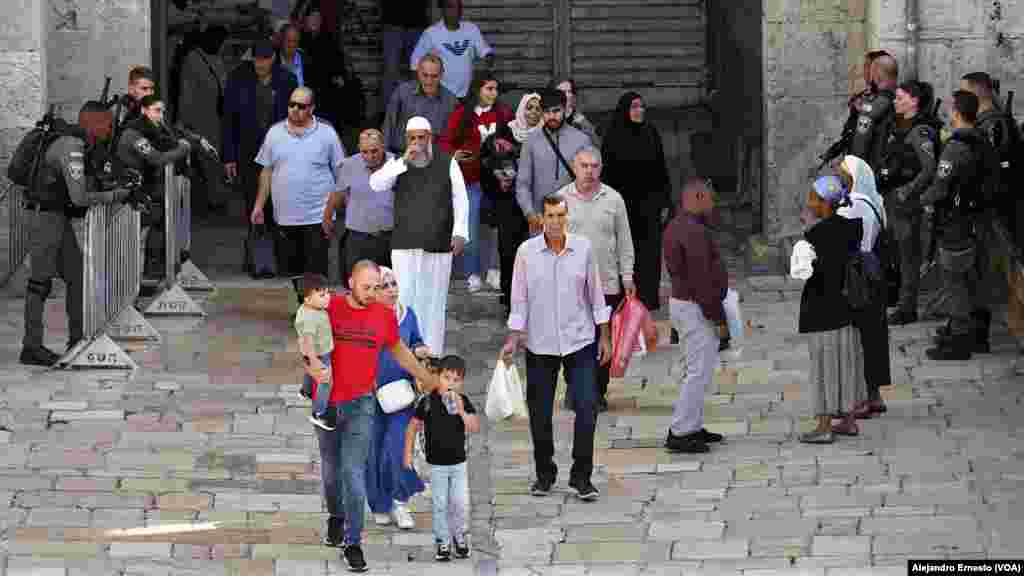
(190, 277)
(97, 353)
(131, 325)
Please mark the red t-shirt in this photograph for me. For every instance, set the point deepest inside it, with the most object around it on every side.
(359, 336)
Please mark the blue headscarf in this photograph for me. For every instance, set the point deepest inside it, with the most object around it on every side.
(830, 188)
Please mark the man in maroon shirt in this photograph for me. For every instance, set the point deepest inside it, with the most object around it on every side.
(362, 327)
(699, 284)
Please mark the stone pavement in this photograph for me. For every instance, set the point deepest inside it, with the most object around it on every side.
(202, 461)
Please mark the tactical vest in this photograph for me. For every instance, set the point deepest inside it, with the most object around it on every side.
(881, 130)
(424, 212)
(900, 163)
(967, 188)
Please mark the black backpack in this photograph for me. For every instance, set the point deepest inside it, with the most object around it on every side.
(865, 272)
(29, 154)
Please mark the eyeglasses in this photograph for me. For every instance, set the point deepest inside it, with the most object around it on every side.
(299, 105)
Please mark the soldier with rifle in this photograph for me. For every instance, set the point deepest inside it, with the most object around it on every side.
(877, 114)
(842, 146)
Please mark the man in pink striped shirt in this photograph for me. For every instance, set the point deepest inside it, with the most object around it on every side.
(557, 303)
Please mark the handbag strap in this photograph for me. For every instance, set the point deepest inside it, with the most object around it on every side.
(558, 153)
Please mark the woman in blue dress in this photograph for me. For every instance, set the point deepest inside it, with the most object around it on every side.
(389, 486)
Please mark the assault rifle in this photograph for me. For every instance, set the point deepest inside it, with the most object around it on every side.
(933, 241)
(842, 145)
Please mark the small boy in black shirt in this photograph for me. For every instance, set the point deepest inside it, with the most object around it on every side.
(446, 416)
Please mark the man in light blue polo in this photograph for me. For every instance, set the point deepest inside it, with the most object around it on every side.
(301, 159)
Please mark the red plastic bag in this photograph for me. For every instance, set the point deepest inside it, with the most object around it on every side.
(631, 322)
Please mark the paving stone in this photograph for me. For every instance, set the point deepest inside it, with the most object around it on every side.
(86, 484)
(606, 533)
(613, 552)
(63, 517)
(88, 415)
(183, 501)
(686, 530)
(38, 549)
(841, 546)
(917, 524)
(140, 550)
(782, 527)
(114, 518)
(35, 567)
(929, 545)
(154, 485)
(711, 550)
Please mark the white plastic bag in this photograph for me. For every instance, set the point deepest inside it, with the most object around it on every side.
(733, 316)
(801, 261)
(505, 395)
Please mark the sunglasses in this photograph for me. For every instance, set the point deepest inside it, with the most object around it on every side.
(299, 105)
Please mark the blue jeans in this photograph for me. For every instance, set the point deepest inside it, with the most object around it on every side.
(387, 478)
(581, 376)
(398, 44)
(323, 388)
(471, 256)
(449, 490)
(343, 453)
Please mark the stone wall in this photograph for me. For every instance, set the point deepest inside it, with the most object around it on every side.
(812, 59)
(957, 37)
(89, 40)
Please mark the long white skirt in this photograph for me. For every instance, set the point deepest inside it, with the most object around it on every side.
(423, 279)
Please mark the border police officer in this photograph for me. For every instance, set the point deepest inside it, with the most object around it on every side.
(147, 146)
(955, 196)
(908, 167)
(876, 114)
(58, 201)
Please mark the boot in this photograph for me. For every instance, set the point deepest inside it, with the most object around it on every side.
(38, 356)
(958, 347)
(334, 532)
(982, 324)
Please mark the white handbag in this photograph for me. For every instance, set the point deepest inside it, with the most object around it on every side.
(395, 396)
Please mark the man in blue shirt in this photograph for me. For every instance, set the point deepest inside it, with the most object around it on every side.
(301, 159)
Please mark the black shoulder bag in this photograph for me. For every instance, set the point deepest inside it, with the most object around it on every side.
(558, 153)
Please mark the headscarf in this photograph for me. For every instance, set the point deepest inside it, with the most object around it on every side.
(520, 128)
(627, 141)
(830, 188)
(386, 274)
(864, 183)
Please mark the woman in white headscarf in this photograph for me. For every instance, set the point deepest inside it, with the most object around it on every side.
(389, 485)
(866, 204)
(528, 117)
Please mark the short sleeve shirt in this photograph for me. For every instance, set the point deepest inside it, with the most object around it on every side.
(303, 171)
(458, 50)
(367, 211)
(316, 324)
(359, 336)
(445, 433)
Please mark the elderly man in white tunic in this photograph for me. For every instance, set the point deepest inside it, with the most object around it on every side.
(430, 213)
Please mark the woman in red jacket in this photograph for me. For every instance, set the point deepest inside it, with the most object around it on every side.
(462, 139)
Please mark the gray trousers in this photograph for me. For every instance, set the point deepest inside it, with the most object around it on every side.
(55, 253)
(700, 355)
(906, 231)
(960, 276)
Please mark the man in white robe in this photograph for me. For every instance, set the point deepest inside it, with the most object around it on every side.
(430, 226)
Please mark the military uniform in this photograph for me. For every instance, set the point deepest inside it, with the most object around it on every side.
(959, 180)
(145, 149)
(54, 216)
(874, 124)
(908, 166)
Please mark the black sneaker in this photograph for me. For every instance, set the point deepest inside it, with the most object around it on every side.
(584, 490)
(38, 356)
(692, 443)
(724, 344)
(333, 536)
(711, 437)
(321, 422)
(353, 555)
(542, 487)
(461, 549)
(444, 553)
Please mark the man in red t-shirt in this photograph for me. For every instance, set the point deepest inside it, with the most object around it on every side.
(362, 328)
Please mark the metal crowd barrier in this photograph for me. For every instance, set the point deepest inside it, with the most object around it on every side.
(17, 245)
(109, 237)
(174, 300)
(189, 276)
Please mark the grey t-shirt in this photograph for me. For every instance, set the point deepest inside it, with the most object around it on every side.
(367, 211)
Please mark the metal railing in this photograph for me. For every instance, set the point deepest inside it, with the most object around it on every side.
(17, 245)
(179, 273)
(110, 240)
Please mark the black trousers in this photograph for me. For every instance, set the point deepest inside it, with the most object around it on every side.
(646, 232)
(512, 231)
(604, 371)
(874, 336)
(362, 246)
(301, 249)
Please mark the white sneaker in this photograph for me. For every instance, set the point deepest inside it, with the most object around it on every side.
(474, 284)
(494, 279)
(381, 519)
(402, 516)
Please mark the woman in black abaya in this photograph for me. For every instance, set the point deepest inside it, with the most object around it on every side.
(634, 165)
